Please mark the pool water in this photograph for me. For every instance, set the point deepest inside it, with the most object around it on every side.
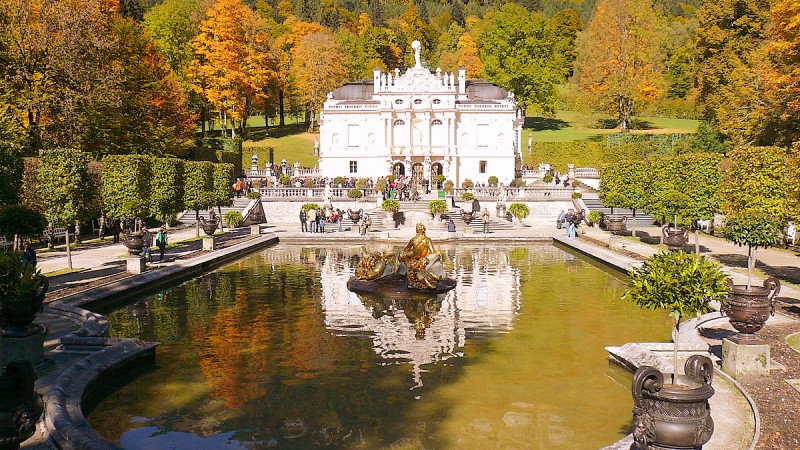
(274, 351)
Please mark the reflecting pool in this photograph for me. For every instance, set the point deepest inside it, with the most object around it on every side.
(273, 350)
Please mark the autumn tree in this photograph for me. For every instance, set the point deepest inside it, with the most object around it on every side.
(285, 43)
(566, 25)
(729, 50)
(319, 67)
(518, 53)
(618, 63)
(233, 62)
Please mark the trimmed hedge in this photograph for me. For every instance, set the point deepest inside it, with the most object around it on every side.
(65, 185)
(223, 179)
(166, 188)
(199, 187)
(126, 186)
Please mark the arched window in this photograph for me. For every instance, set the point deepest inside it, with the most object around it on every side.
(399, 122)
(417, 101)
(436, 101)
(399, 101)
(436, 122)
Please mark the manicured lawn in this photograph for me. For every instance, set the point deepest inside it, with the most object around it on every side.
(568, 126)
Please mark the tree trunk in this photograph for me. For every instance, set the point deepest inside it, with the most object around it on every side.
(697, 240)
(77, 232)
(203, 118)
(69, 254)
(633, 223)
(281, 110)
(197, 223)
(751, 262)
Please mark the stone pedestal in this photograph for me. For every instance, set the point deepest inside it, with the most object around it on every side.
(468, 229)
(136, 264)
(27, 344)
(739, 360)
(615, 242)
(209, 243)
(255, 229)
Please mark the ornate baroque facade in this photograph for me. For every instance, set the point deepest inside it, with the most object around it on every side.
(421, 124)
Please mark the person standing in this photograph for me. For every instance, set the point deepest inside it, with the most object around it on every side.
(560, 220)
(303, 218)
(312, 220)
(147, 243)
(28, 254)
(451, 226)
(162, 242)
(115, 229)
(321, 228)
(485, 219)
(339, 214)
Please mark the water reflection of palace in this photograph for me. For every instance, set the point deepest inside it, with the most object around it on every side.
(420, 332)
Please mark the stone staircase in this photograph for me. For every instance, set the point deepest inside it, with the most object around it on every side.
(239, 204)
(594, 204)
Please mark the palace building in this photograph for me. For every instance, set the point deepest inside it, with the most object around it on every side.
(421, 124)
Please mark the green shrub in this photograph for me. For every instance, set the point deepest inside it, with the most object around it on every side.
(199, 187)
(338, 180)
(166, 188)
(233, 219)
(307, 206)
(362, 183)
(577, 183)
(437, 206)
(355, 193)
(439, 178)
(18, 278)
(380, 185)
(449, 187)
(224, 175)
(284, 180)
(596, 217)
(18, 220)
(683, 283)
(519, 210)
(548, 178)
(254, 195)
(467, 183)
(126, 186)
(390, 205)
(493, 180)
(576, 195)
(467, 196)
(308, 183)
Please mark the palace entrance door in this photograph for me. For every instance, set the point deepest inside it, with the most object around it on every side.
(417, 175)
(436, 169)
(399, 170)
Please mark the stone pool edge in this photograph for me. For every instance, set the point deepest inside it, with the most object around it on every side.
(65, 426)
(691, 333)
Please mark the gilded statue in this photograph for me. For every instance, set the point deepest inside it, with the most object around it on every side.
(419, 262)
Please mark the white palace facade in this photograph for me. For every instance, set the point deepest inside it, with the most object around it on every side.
(421, 124)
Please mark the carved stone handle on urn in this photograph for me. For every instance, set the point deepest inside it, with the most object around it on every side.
(651, 380)
(774, 287)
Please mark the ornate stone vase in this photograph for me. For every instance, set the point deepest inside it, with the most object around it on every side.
(675, 238)
(20, 405)
(467, 216)
(673, 416)
(134, 242)
(16, 313)
(748, 309)
(355, 216)
(615, 224)
(209, 226)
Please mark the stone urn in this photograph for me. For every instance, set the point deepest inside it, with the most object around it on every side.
(673, 416)
(467, 216)
(134, 241)
(16, 313)
(748, 309)
(20, 405)
(675, 238)
(616, 224)
(209, 226)
(355, 216)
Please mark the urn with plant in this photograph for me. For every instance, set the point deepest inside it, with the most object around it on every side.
(675, 414)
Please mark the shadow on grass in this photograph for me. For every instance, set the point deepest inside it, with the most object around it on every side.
(789, 274)
(259, 133)
(639, 124)
(545, 124)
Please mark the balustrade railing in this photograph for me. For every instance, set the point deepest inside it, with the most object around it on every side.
(339, 194)
(516, 193)
(587, 172)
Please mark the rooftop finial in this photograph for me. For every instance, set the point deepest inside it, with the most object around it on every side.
(416, 46)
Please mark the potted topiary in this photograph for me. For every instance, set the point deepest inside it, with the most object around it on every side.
(595, 217)
(449, 187)
(355, 194)
(233, 219)
(668, 205)
(677, 414)
(437, 207)
(254, 195)
(576, 195)
(391, 207)
(492, 181)
(519, 210)
(547, 178)
(467, 183)
(750, 306)
(22, 290)
(439, 179)
(467, 196)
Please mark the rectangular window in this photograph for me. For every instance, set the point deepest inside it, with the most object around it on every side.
(482, 167)
(353, 166)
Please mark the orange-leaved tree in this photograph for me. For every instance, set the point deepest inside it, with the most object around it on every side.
(318, 66)
(619, 60)
(233, 62)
